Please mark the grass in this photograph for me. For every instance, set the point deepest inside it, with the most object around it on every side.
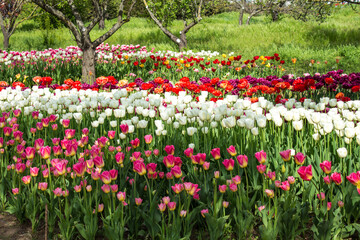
(338, 37)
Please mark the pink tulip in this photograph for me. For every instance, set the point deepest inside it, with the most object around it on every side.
(216, 174)
(183, 213)
(101, 207)
(7, 131)
(61, 167)
(216, 153)
(135, 143)
(105, 188)
(148, 139)
(206, 166)
(194, 189)
(88, 188)
(169, 149)
(38, 144)
(236, 179)
(177, 188)
(169, 176)
(198, 158)
(166, 200)
(42, 186)
(340, 204)
(151, 168)
(54, 127)
(30, 153)
(278, 183)
(58, 192)
(71, 150)
(16, 112)
(261, 156)
(45, 152)
(156, 152)
(328, 205)
(321, 196)
(138, 201)
(242, 160)
(77, 188)
(119, 157)
(162, 207)
(66, 123)
(354, 178)
(285, 186)
(105, 177)
(269, 193)
(136, 156)
(229, 164)
(139, 167)
(99, 162)
(85, 131)
(124, 128)
(233, 187)
(147, 153)
(305, 172)
(161, 175)
(111, 134)
(299, 158)
(271, 175)
(45, 173)
(113, 174)
(95, 175)
(231, 150)
(26, 179)
(291, 180)
(286, 155)
(169, 161)
(172, 206)
(18, 135)
(336, 178)
(20, 167)
(189, 152)
(34, 171)
(204, 212)
(114, 188)
(327, 180)
(326, 167)
(222, 188)
(55, 141)
(261, 168)
(176, 172)
(225, 204)
(45, 122)
(79, 168)
(15, 191)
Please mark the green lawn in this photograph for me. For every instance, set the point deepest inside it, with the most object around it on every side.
(337, 37)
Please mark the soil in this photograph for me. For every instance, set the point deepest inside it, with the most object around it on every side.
(11, 229)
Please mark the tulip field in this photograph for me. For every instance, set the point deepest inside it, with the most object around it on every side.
(170, 145)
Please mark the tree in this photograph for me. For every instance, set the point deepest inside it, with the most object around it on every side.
(9, 18)
(252, 8)
(164, 12)
(81, 32)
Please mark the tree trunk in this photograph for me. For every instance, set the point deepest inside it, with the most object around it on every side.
(102, 23)
(183, 42)
(241, 16)
(6, 40)
(274, 15)
(248, 19)
(88, 65)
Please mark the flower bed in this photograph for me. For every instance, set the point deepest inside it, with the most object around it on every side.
(124, 163)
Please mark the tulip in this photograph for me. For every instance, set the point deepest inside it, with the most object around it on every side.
(278, 183)
(99, 161)
(206, 166)
(225, 204)
(326, 167)
(231, 150)
(139, 167)
(291, 180)
(169, 161)
(138, 201)
(340, 204)
(354, 178)
(71, 150)
(101, 207)
(299, 158)
(105, 188)
(176, 172)
(305, 172)
(328, 205)
(327, 180)
(38, 144)
(77, 188)
(172, 206)
(61, 167)
(148, 139)
(204, 212)
(169, 176)
(285, 186)
(229, 164)
(124, 128)
(177, 188)
(15, 191)
(321, 196)
(105, 177)
(216, 174)
(111, 134)
(45, 173)
(30, 153)
(269, 193)
(114, 188)
(26, 179)
(113, 174)
(233, 187)
(261, 156)
(58, 192)
(34, 171)
(79, 168)
(336, 178)
(162, 207)
(156, 152)
(271, 175)
(222, 188)
(183, 213)
(119, 157)
(261, 168)
(88, 188)
(121, 196)
(236, 179)
(135, 143)
(199, 158)
(286, 155)
(169, 149)
(342, 152)
(54, 127)
(189, 152)
(42, 186)
(216, 153)
(242, 160)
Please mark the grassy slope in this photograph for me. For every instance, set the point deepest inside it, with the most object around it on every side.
(338, 36)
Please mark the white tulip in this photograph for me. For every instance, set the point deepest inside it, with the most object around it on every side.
(95, 124)
(342, 152)
(191, 131)
(298, 125)
(113, 123)
(316, 136)
(255, 131)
